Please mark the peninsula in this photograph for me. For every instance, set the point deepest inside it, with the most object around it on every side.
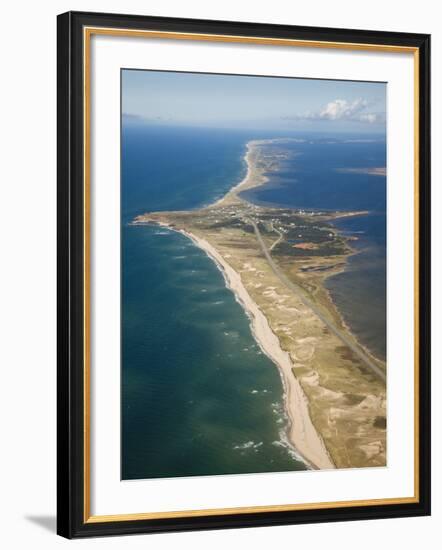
(275, 261)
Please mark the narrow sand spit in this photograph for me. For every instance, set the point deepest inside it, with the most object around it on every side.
(302, 434)
(253, 177)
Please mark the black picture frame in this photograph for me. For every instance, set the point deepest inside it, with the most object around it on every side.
(72, 518)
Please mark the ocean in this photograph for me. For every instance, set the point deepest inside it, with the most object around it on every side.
(198, 395)
(315, 177)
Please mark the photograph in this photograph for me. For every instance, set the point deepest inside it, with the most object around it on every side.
(219, 235)
(253, 274)
(243, 267)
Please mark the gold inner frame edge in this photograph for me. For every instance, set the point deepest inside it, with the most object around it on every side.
(87, 33)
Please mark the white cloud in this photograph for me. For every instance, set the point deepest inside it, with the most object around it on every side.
(341, 109)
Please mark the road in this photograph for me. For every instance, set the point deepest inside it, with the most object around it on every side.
(278, 240)
(296, 289)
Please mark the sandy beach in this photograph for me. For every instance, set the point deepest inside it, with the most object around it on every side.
(301, 431)
(334, 404)
(253, 177)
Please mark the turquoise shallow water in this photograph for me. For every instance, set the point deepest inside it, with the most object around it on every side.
(198, 396)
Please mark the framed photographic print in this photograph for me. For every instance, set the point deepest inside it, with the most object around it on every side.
(243, 274)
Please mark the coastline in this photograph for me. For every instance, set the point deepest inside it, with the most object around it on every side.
(310, 428)
(252, 179)
(301, 432)
(371, 353)
(255, 178)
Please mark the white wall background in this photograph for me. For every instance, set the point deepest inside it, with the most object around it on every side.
(27, 272)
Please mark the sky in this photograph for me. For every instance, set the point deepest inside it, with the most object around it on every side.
(252, 102)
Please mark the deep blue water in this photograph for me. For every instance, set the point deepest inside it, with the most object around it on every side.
(198, 396)
(314, 177)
